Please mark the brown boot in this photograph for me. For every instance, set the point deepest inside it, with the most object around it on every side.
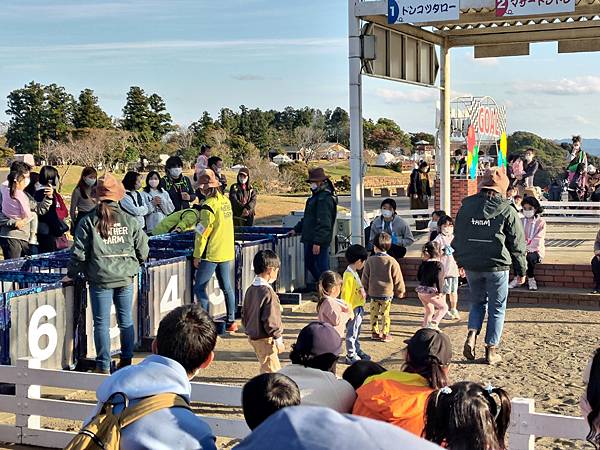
(492, 357)
(470, 343)
(123, 362)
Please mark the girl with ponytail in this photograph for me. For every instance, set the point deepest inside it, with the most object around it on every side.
(590, 401)
(468, 416)
(400, 397)
(330, 308)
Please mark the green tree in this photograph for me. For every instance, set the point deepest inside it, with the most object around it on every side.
(422, 136)
(88, 113)
(160, 120)
(241, 150)
(337, 126)
(136, 112)
(201, 128)
(385, 135)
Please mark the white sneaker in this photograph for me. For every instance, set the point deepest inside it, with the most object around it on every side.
(455, 314)
(433, 325)
(514, 283)
(449, 315)
(532, 284)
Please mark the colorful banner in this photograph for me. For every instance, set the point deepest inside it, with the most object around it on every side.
(422, 11)
(472, 153)
(502, 151)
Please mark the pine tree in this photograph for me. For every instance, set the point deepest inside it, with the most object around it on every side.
(136, 112)
(87, 112)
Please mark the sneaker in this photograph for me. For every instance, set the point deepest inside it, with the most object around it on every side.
(595, 291)
(232, 327)
(351, 359)
(362, 355)
(432, 325)
(514, 283)
(449, 315)
(455, 314)
(387, 338)
(532, 284)
(376, 337)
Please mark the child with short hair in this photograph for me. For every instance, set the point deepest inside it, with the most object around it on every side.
(590, 400)
(330, 308)
(261, 313)
(358, 372)
(431, 280)
(468, 416)
(353, 293)
(382, 280)
(451, 271)
(265, 394)
(202, 161)
(433, 223)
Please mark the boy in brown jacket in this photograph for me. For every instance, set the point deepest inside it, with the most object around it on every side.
(261, 313)
(383, 281)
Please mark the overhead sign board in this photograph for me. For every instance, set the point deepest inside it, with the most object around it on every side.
(422, 11)
(398, 56)
(514, 8)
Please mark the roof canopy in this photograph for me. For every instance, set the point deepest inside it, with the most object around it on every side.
(478, 25)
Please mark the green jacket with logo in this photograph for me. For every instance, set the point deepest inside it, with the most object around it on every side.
(319, 218)
(112, 262)
(185, 220)
(488, 236)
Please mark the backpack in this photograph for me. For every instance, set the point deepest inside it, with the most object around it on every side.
(104, 431)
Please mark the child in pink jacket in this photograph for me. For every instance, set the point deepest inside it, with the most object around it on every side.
(535, 237)
(331, 309)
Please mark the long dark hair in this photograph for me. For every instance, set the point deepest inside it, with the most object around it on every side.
(466, 416)
(48, 176)
(82, 185)
(429, 367)
(106, 218)
(150, 175)
(329, 280)
(593, 398)
(17, 173)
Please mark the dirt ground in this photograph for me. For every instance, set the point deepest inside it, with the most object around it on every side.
(544, 349)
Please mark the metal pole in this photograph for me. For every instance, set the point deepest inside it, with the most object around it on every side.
(444, 160)
(356, 154)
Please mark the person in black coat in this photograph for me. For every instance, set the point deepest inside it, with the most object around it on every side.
(243, 200)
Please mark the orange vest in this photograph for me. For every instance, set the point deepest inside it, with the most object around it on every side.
(399, 398)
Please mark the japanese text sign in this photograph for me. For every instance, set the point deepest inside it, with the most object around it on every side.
(507, 8)
(422, 11)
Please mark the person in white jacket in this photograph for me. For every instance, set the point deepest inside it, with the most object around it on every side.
(158, 201)
(133, 203)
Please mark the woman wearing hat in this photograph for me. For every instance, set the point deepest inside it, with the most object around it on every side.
(314, 357)
(108, 249)
(243, 200)
(318, 222)
(488, 239)
(214, 247)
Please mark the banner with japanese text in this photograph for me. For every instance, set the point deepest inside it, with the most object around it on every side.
(508, 8)
(422, 11)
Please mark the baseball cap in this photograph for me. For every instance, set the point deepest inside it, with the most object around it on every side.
(318, 338)
(428, 342)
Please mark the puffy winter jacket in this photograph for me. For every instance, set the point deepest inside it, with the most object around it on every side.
(488, 235)
(319, 218)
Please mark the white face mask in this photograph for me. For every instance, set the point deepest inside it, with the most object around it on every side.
(243, 180)
(387, 213)
(314, 186)
(153, 183)
(528, 158)
(529, 213)
(175, 171)
(434, 224)
(89, 181)
(218, 171)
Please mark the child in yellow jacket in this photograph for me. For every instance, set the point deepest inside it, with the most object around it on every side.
(355, 296)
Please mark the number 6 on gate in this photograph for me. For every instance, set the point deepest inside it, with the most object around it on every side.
(36, 331)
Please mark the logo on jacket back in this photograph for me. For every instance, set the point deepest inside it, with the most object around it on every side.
(481, 222)
(116, 234)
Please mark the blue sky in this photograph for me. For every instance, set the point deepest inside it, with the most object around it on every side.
(204, 55)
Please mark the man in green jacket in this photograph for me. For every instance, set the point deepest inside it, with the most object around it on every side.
(318, 222)
(488, 239)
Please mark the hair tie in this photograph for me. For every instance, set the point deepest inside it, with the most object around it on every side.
(446, 390)
(490, 390)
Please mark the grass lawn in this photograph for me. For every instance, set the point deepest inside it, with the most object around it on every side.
(337, 169)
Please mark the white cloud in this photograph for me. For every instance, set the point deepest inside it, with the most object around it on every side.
(422, 95)
(486, 62)
(583, 85)
(582, 120)
(248, 77)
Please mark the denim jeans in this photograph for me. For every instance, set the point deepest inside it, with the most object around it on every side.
(102, 299)
(316, 264)
(489, 292)
(353, 332)
(203, 275)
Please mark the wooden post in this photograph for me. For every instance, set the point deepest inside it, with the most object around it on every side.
(519, 431)
(24, 392)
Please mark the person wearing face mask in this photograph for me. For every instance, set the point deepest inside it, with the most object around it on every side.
(419, 189)
(392, 224)
(214, 245)
(52, 225)
(530, 167)
(243, 200)
(450, 269)
(16, 234)
(158, 201)
(216, 165)
(177, 185)
(83, 198)
(133, 203)
(318, 222)
(535, 236)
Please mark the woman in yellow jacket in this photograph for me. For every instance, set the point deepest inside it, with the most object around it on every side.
(214, 246)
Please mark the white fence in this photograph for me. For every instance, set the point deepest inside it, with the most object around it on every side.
(29, 407)
(572, 212)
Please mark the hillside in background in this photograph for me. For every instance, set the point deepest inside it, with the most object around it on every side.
(592, 146)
